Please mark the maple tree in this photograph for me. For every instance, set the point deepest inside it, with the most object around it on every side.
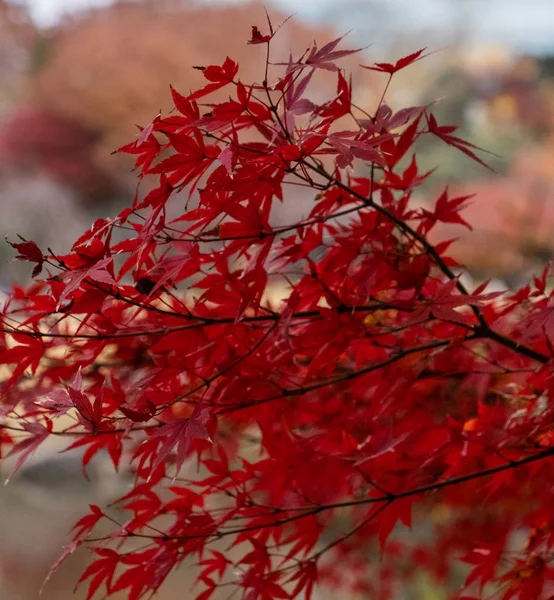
(379, 392)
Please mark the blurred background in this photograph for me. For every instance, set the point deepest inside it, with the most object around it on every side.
(77, 76)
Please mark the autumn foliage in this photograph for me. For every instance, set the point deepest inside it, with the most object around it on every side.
(285, 441)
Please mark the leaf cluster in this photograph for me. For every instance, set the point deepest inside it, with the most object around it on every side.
(375, 394)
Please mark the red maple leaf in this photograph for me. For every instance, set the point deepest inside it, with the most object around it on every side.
(401, 63)
(179, 434)
(446, 299)
(31, 252)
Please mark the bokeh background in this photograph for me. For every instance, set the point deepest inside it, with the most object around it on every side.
(77, 76)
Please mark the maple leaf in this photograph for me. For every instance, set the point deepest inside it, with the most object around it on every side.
(27, 354)
(158, 196)
(191, 160)
(401, 63)
(322, 58)
(139, 416)
(180, 434)
(258, 38)
(28, 446)
(89, 413)
(102, 570)
(447, 210)
(341, 105)
(95, 444)
(541, 322)
(218, 563)
(445, 134)
(186, 106)
(29, 251)
(56, 402)
(171, 268)
(306, 577)
(485, 561)
(445, 301)
(219, 76)
(348, 148)
(146, 147)
(74, 279)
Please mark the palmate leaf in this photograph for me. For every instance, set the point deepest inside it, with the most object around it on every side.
(179, 435)
(400, 64)
(29, 445)
(325, 57)
(447, 298)
(74, 279)
(31, 252)
(445, 134)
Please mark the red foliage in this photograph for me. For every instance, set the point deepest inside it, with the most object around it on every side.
(378, 393)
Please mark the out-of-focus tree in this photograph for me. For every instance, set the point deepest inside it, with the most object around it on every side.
(36, 140)
(513, 218)
(17, 40)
